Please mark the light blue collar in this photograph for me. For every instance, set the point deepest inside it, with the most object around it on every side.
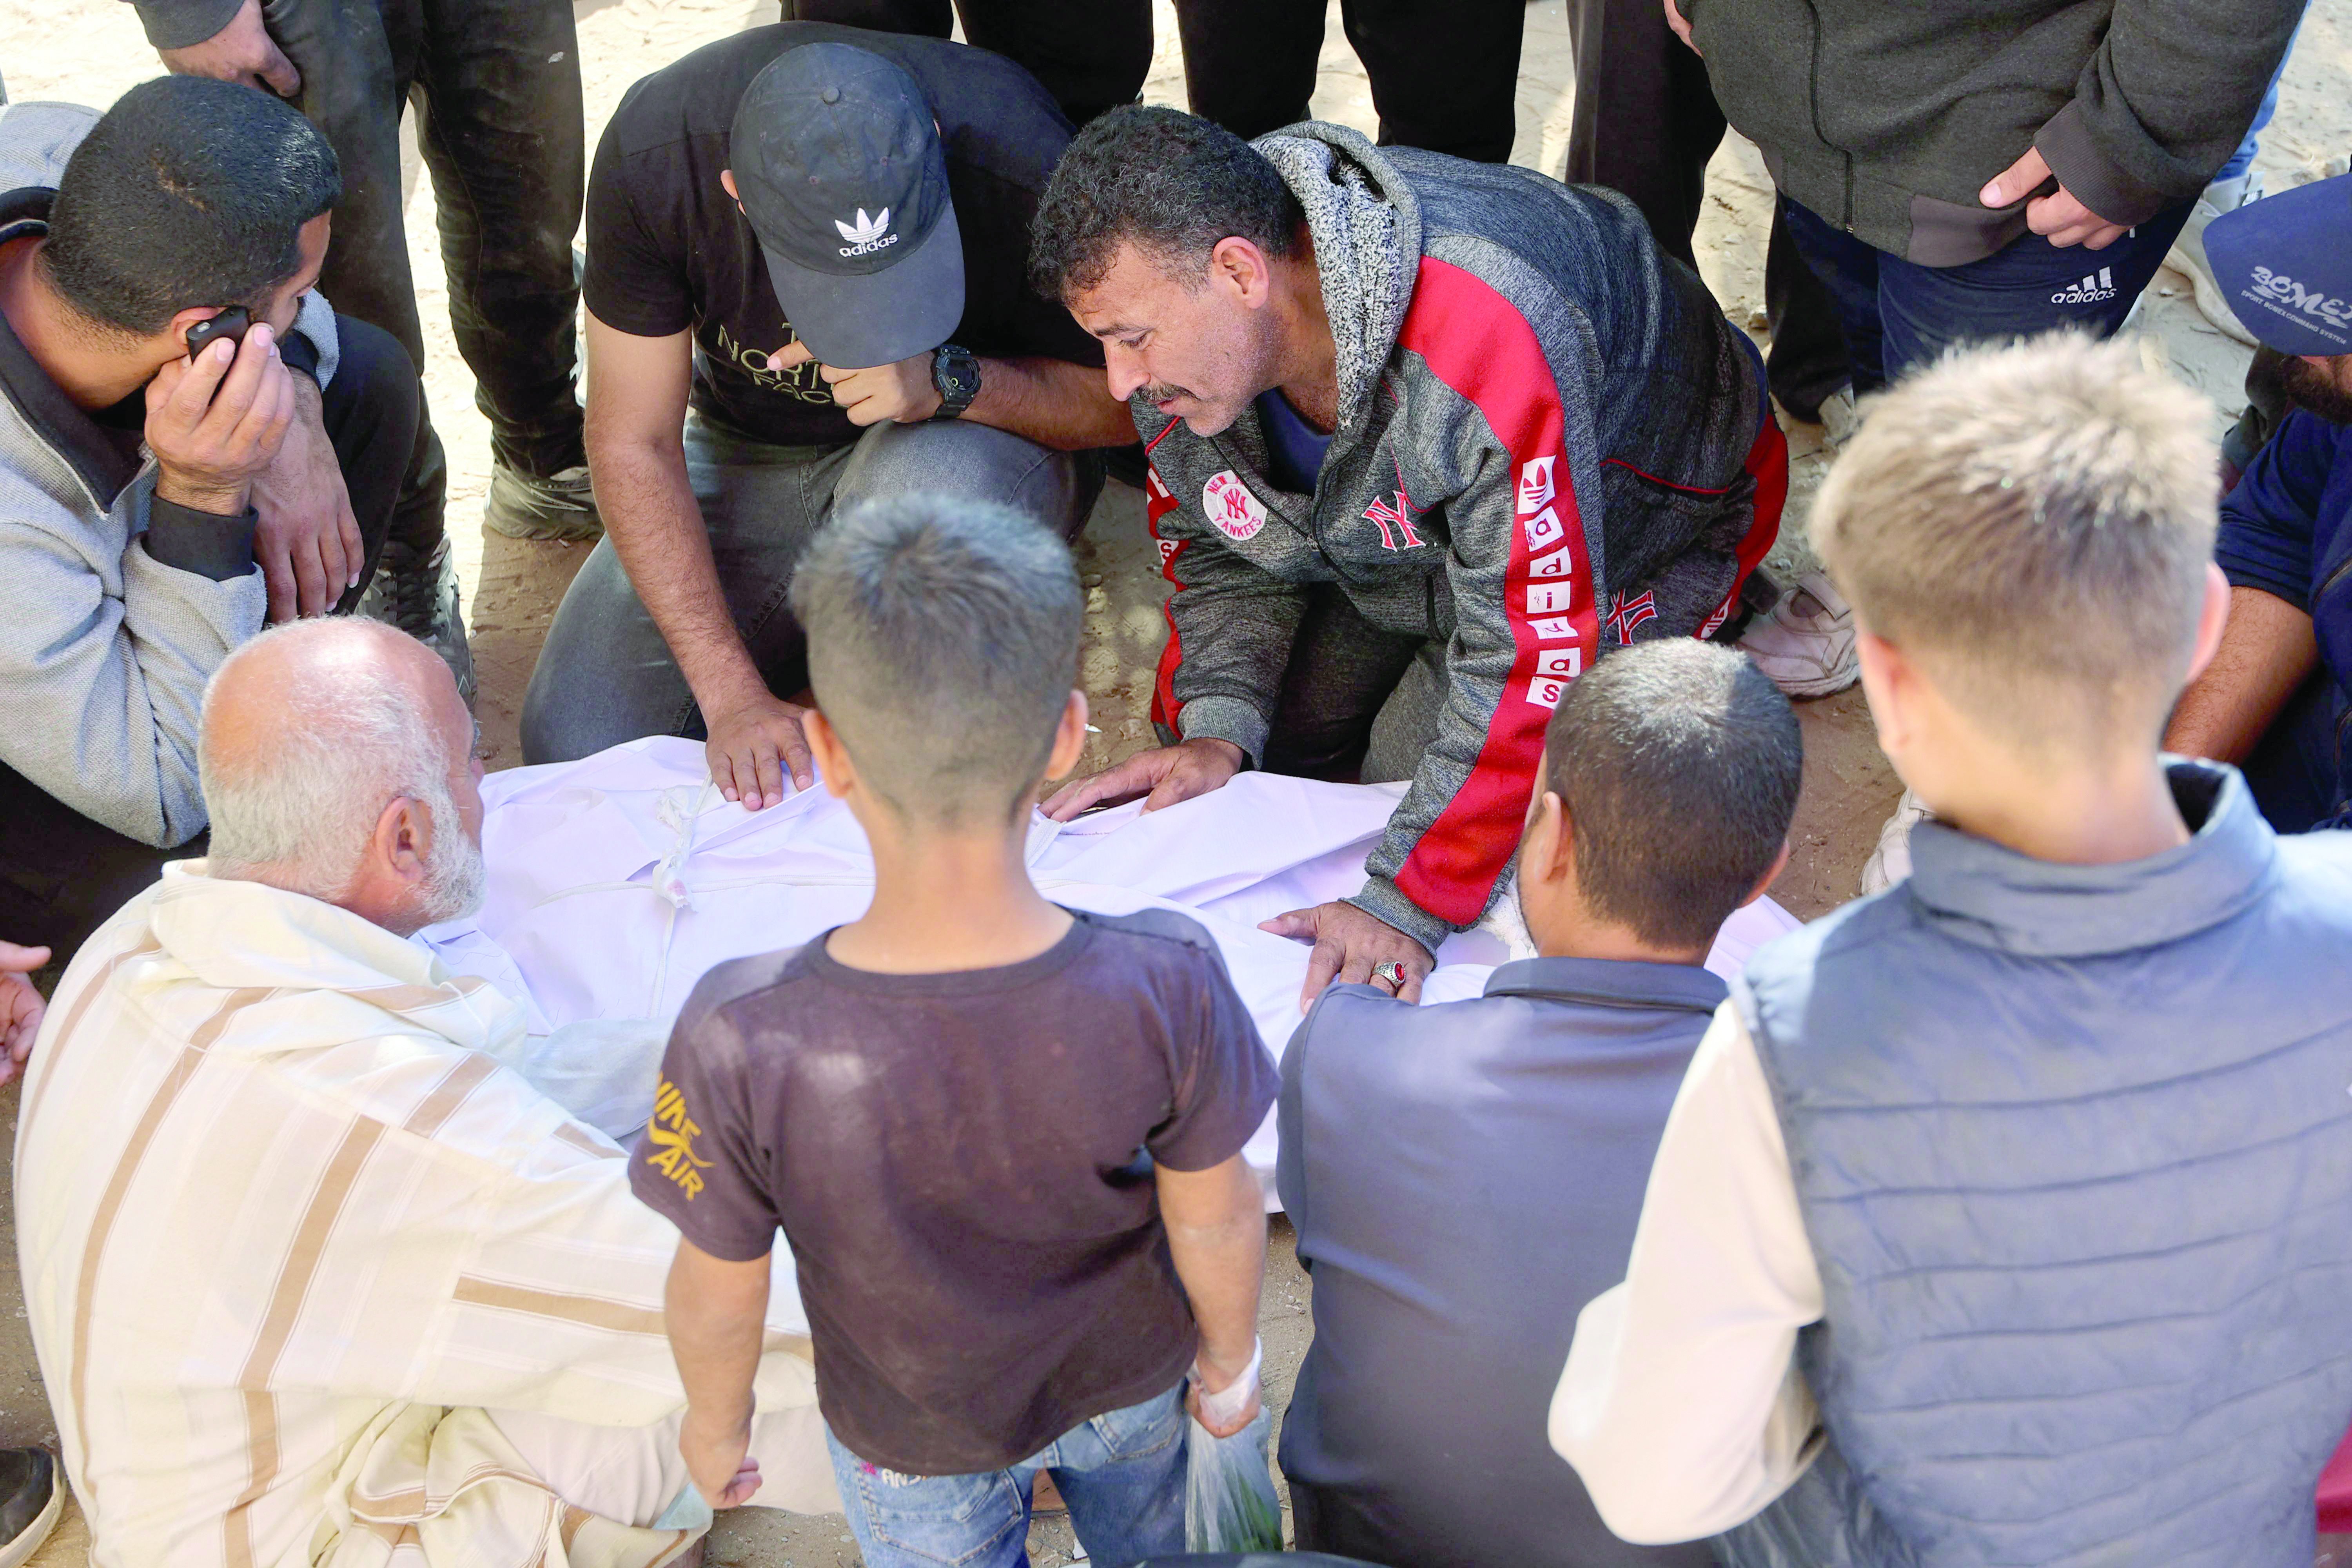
(1977, 892)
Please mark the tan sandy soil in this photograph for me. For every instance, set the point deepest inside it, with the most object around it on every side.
(91, 51)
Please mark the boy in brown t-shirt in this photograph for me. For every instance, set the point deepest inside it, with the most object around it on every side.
(1003, 1139)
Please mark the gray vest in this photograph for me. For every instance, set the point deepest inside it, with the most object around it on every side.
(2075, 1151)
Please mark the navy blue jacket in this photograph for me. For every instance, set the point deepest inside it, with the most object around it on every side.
(2284, 530)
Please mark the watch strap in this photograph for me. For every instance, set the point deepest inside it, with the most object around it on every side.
(956, 394)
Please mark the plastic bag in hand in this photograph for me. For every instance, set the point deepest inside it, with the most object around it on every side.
(1229, 1503)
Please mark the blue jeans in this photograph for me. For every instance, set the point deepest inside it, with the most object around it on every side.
(1122, 1474)
(606, 674)
(1898, 314)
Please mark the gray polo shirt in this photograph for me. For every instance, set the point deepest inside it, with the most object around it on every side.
(1463, 1178)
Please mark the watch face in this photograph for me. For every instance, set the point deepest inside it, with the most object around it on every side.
(957, 375)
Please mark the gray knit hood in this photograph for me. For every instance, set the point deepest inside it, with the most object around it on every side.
(1366, 231)
(1500, 338)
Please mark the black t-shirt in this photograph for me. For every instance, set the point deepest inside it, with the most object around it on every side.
(668, 248)
(962, 1165)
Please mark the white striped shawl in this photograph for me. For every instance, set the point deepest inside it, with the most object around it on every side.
(287, 1231)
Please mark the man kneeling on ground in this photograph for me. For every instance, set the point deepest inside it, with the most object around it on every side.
(267, 484)
(309, 1274)
(1427, 438)
(1451, 1253)
(805, 290)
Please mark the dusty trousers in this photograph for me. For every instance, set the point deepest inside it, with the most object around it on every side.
(495, 85)
(1645, 124)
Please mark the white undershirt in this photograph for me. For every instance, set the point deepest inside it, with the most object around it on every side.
(1681, 1405)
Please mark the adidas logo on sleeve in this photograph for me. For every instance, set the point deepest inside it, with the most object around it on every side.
(2090, 290)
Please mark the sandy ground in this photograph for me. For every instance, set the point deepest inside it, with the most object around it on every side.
(89, 52)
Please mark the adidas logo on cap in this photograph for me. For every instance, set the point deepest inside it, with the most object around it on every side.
(867, 234)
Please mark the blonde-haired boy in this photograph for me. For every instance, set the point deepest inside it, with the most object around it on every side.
(2006, 1217)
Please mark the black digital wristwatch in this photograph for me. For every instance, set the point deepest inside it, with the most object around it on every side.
(955, 375)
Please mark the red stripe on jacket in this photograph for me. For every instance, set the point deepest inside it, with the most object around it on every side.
(1477, 342)
(1158, 501)
(1768, 465)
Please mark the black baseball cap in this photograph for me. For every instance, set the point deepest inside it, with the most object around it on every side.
(837, 163)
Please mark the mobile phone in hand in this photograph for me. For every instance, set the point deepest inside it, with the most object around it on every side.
(231, 323)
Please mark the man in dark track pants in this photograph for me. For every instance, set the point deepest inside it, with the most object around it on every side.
(1090, 55)
(1645, 123)
(1444, 77)
(496, 84)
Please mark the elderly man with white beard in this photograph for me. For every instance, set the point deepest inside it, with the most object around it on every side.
(313, 1278)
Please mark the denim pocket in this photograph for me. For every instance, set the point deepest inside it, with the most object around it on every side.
(950, 1519)
(1137, 1430)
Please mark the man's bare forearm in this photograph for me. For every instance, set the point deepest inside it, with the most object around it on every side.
(2268, 649)
(1051, 402)
(657, 528)
(1216, 1235)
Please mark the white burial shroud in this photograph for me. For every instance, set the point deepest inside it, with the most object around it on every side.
(616, 881)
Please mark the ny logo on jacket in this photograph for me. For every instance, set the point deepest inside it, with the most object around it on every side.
(1537, 413)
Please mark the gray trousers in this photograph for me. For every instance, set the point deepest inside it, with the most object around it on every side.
(606, 674)
(1357, 705)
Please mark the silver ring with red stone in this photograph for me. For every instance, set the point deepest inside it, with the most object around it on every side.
(1392, 971)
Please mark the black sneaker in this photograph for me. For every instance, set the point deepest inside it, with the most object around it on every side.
(562, 507)
(30, 1501)
(419, 596)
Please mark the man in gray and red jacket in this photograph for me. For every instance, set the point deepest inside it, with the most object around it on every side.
(1427, 438)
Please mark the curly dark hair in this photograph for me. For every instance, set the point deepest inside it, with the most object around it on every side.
(1169, 183)
(187, 192)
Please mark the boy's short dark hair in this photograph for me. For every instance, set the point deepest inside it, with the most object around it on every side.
(1679, 762)
(943, 645)
(1171, 184)
(188, 192)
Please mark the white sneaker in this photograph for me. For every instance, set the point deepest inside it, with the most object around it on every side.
(1806, 643)
(1891, 861)
(2187, 254)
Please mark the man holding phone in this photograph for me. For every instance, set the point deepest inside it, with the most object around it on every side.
(192, 442)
